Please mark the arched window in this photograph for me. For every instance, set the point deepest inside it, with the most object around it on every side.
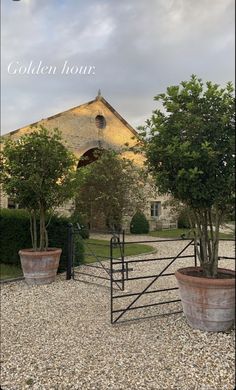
(100, 121)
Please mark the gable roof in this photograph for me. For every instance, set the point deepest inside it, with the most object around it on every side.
(99, 97)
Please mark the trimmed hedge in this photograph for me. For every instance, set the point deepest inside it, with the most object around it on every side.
(139, 224)
(15, 235)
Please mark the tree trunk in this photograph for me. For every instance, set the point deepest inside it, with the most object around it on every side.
(215, 244)
(46, 239)
(33, 230)
(42, 229)
(208, 240)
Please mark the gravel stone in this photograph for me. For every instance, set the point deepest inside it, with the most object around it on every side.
(59, 336)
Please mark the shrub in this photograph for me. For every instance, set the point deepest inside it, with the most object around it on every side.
(15, 235)
(139, 224)
(183, 220)
(77, 218)
(57, 232)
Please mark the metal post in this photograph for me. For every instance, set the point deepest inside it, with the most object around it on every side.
(111, 278)
(126, 270)
(123, 259)
(195, 253)
(69, 251)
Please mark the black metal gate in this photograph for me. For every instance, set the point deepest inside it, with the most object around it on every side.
(144, 285)
(123, 272)
(99, 266)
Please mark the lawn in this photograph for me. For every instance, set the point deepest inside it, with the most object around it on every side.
(95, 246)
(11, 272)
(176, 233)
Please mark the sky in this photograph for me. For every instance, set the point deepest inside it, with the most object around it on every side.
(135, 48)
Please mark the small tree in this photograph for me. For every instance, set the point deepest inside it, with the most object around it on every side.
(38, 173)
(190, 151)
(139, 224)
(111, 187)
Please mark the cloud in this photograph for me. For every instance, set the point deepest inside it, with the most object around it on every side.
(137, 47)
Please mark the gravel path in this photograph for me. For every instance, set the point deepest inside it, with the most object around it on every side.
(59, 337)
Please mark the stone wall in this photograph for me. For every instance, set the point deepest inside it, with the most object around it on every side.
(81, 133)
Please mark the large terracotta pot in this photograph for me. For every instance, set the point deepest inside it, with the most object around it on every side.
(208, 304)
(40, 267)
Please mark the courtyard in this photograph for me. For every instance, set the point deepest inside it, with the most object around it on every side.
(59, 336)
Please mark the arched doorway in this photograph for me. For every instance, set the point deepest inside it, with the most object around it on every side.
(92, 218)
(88, 157)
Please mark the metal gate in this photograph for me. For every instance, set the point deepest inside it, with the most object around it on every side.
(127, 272)
(99, 266)
(144, 285)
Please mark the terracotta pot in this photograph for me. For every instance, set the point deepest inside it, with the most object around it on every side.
(40, 267)
(208, 304)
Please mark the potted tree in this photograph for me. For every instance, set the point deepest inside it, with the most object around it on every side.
(190, 151)
(38, 173)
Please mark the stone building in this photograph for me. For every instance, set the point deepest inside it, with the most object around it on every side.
(91, 126)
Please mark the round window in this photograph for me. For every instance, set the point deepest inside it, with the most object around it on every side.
(100, 121)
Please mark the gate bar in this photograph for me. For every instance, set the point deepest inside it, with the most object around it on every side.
(92, 276)
(155, 259)
(147, 292)
(144, 277)
(149, 305)
(150, 284)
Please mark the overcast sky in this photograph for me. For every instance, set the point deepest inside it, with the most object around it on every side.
(137, 49)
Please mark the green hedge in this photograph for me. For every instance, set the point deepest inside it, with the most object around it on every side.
(139, 224)
(15, 235)
(183, 221)
(76, 218)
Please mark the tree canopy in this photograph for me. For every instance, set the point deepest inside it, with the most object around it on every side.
(109, 188)
(189, 145)
(38, 173)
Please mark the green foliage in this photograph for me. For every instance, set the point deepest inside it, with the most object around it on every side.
(15, 235)
(108, 189)
(183, 220)
(38, 173)
(139, 224)
(77, 218)
(191, 147)
(190, 152)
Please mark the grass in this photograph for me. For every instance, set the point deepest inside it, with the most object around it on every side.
(130, 250)
(12, 272)
(176, 233)
(9, 271)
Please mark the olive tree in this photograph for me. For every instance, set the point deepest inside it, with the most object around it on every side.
(189, 146)
(38, 172)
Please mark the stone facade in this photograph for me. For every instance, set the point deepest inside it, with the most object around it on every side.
(89, 126)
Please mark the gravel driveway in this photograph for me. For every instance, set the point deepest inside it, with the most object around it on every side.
(59, 337)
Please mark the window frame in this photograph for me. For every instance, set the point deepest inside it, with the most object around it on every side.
(155, 209)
